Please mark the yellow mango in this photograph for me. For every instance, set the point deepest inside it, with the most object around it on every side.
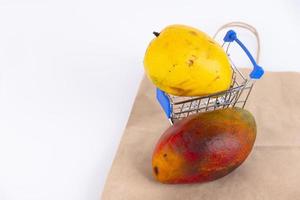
(184, 61)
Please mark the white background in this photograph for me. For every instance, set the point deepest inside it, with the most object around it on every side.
(69, 72)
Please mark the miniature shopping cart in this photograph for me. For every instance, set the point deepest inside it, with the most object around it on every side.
(177, 108)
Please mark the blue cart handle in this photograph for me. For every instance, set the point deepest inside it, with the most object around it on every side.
(257, 71)
(164, 101)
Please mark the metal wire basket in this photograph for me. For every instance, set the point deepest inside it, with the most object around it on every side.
(177, 108)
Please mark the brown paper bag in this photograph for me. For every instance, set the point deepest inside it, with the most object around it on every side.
(271, 172)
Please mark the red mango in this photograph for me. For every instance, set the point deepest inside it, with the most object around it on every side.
(204, 147)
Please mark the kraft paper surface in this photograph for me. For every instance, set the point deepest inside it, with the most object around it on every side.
(271, 171)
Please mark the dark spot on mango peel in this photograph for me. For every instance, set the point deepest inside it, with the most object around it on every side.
(165, 155)
(183, 82)
(212, 42)
(193, 33)
(190, 62)
(155, 170)
(180, 91)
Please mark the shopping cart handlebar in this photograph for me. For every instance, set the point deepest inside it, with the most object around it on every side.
(257, 71)
(164, 102)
